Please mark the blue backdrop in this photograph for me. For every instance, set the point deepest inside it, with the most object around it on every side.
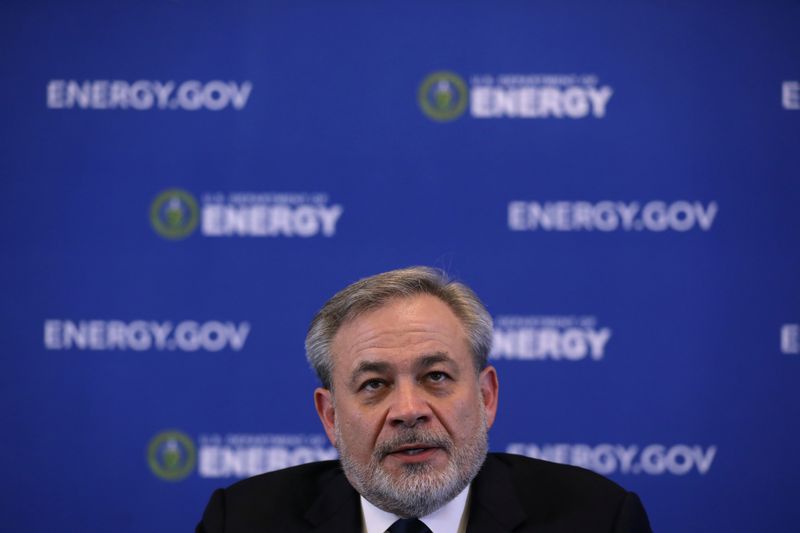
(185, 183)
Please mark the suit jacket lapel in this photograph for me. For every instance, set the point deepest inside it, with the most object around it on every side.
(494, 506)
(337, 509)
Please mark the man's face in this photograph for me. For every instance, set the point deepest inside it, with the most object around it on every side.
(408, 411)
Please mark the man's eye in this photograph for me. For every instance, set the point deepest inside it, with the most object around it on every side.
(437, 377)
(372, 385)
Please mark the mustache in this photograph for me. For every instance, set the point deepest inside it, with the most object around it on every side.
(413, 437)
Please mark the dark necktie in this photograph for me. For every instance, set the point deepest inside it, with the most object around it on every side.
(409, 525)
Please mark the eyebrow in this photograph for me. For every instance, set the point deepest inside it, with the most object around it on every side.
(369, 366)
(381, 367)
(428, 361)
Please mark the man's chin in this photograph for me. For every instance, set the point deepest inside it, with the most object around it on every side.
(415, 482)
(413, 488)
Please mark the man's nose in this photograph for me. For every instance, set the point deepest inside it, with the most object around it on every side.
(409, 405)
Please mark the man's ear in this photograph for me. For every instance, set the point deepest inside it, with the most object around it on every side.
(487, 381)
(323, 401)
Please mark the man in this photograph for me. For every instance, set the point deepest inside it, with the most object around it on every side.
(407, 398)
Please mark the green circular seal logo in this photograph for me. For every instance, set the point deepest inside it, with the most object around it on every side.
(443, 96)
(174, 214)
(171, 455)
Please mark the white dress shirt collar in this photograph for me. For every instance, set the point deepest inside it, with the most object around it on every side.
(446, 519)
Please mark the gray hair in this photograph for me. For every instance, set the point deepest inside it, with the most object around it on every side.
(373, 292)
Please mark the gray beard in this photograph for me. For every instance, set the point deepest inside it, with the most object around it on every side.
(419, 489)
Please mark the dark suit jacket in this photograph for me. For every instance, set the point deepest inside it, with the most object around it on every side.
(510, 493)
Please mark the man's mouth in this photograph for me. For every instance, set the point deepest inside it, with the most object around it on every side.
(413, 450)
(414, 453)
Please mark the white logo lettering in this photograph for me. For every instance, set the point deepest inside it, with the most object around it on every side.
(544, 102)
(538, 96)
(568, 338)
(269, 215)
(270, 221)
(142, 335)
(243, 456)
(610, 216)
(790, 95)
(790, 338)
(606, 459)
(142, 95)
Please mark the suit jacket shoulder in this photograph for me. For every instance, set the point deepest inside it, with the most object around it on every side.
(514, 493)
(510, 493)
(311, 497)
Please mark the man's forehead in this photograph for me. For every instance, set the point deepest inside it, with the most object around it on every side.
(418, 324)
(379, 364)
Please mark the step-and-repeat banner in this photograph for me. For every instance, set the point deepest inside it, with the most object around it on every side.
(185, 183)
